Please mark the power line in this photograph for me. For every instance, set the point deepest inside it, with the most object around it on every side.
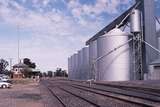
(18, 37)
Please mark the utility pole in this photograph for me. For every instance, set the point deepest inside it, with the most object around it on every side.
(18, 44)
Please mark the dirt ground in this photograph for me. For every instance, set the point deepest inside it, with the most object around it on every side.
(22, 95)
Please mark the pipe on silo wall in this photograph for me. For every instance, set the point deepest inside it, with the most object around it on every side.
(92, 58)
(85, 64)
(117, 65)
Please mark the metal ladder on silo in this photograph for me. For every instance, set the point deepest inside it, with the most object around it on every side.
(137, 57)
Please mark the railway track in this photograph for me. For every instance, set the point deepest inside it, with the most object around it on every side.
(56, 96)
(83, 100)
(129, 92)
(127, 95)
(136, 99)
(131, 86)
(155, 91)
(128, 85)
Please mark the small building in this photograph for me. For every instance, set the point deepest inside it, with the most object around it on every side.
(19, 70)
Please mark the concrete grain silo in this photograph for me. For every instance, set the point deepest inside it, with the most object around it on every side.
(92, 58)
(115, 66)
(85, 64)
(69, 67)
(76, 66)
(80, 62)
(73, 66)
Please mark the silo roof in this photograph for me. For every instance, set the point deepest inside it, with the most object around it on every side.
(117, 31)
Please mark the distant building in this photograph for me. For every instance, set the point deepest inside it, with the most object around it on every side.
(35, 73)
(19, 70)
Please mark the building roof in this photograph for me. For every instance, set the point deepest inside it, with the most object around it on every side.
(20, 65)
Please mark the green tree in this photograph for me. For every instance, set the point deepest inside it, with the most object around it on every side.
(61, 73)
(50, 73)
(44, 74)
(3, 65)
(28, 62)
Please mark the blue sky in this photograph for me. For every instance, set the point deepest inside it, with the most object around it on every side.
(52, 30)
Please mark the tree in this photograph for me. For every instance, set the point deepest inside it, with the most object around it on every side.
(28, 71)
(40, 74)
(44, 74)
(64, 73)
(61, 73)
(50, 74)
(33, 65)
(28, 62)
(3, 65)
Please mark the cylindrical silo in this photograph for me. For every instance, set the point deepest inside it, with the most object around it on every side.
(85, 64)
(80, 62)
(72, 67)
(116, 66)
(69, 67)
(92, 58)
(76, 66)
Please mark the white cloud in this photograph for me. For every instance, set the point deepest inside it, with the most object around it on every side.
(107, 6)
(24, 1)
(79, 10)
(55, 36)
(45, 2)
